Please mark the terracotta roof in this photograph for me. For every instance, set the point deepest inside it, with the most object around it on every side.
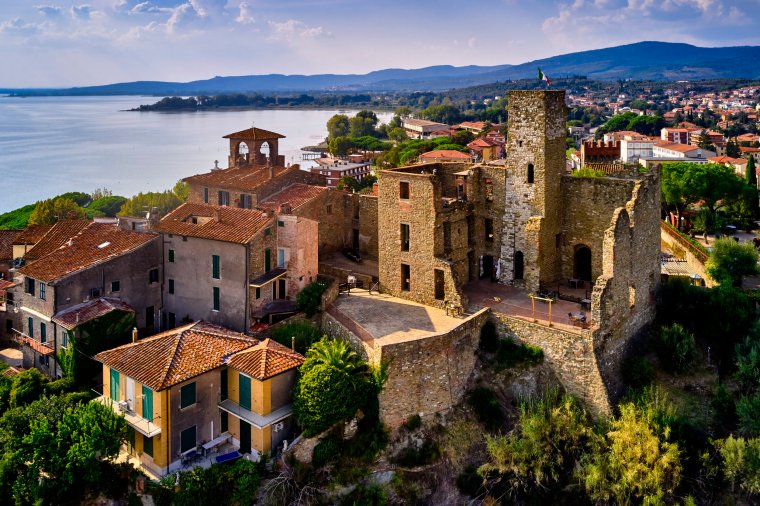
(10, 372)
(97, 243)
(296, 195)
(6, 243)
(32, 234)
(218, 223)
(265, 360)
(254, 134)
(81, 313)
(482, 143)
(727, 159)
(5, 284)
(445, 153)
(246, 178)
(176, 355)
(748, 137)
(57, 236)
(473, 124)
(749, 150)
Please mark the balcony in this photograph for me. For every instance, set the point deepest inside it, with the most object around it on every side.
(41, 348)
(140, 424)
(255, 419)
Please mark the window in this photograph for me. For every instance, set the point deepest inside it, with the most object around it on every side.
(489, 190)
(64, 339)
(29, 286)
(149, 317)
(280, 257)
(115, 286)
(328, 209)
(172, 320)
(153, 276)
(246, 201)
(187, 440)
(43, 332)
(171, 256)
(403, 190)
(267, 231)
(225, 423)
(215, 266)
(404, 237)
(440, 291)
(530, 173)
(148, 446)
(280, 223)
(224, 198)
(187, 395)
(171, 286)
(43, 286)
(258, 292)
(217, 304)
(205, 195)
(405, 277)
(267, 260)
(245, 391)
(30, 326)
(147, 403)
(488, 227)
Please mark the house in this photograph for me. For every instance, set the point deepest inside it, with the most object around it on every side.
(716, 138)
(225, 264)
(475, 127)
(486, 149)
(421, 128)
(675, 135)
(100, 261)
(200, 387)
(445, 155)
(634, 147)
(747, 139)
(30, 236)
(678, 150)
(335, 169)
(738, 164)
(753, 152)
(599, 152)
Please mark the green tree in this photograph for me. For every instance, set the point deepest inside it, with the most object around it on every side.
(716, 185)
(397, 134)
(155, 203)
(705, 142)
(741, 462)
(27, 386)
(310, 298)
(181, 189)
(636, 461)
(363, 124)
(107, 206)
(338, 126)
(340, 146)
(730, 261)
(447, 114)
(676, 348)
(753, 202)
(732, 149)
(47, 212)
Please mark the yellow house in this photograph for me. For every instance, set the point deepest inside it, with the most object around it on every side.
(177, 389)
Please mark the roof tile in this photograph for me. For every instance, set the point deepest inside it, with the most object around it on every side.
(57, 236)
(218, 223)
(265, 360)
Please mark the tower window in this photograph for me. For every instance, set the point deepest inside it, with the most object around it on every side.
(531, 174)
(403, 190)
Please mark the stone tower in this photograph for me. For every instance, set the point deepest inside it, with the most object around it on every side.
(531, 237)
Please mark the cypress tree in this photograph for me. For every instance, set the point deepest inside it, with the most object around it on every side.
(751, 176)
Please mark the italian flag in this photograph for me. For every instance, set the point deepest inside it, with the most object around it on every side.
(544, 77)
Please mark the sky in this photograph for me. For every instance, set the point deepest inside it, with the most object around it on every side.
(52, 43)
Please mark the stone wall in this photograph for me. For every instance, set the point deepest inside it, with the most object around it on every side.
(368, 225)
(676, 244)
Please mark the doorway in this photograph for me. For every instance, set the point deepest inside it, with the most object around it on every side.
(487, 267)
(582, 263)
(519, 265)
(245, 437)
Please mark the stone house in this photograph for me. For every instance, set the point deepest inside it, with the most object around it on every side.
(99, 261)
(7, 318)
(197, 389)
(232, 266)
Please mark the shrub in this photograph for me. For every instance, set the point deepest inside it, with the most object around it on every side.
(412, 456)
(723, 404)
(588, 173)
(637, 372)
(27, 386)
(469, 482)
(741, 462)
(676, 348)
(748, 412)
(487, 408)
(414, 422)
(305, 332)
(489, 338)
(366, 495)
(326, 451)
(309, 299)
(509, 354)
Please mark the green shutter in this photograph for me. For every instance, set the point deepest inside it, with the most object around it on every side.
(217, 304)
(115, 395)
(30, 326)
(245, 391)
(215, 266)
(43, 332)
(147, 403)
(187, 395)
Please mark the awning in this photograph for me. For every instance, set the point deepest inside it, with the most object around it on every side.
(268, 277)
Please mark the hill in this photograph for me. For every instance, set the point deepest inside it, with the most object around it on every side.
(661, 61)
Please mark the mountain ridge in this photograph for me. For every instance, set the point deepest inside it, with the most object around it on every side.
(646, 60)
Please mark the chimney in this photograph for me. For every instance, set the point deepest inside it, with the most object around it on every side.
(134, 334)
(217, 218)
(285, 208)
(293, 343)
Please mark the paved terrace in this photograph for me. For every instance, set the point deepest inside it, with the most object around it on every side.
(515, 302)
(383, 319)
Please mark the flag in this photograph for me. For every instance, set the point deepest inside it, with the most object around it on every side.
(543, 77)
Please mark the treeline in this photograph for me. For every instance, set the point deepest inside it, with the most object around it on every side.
(265, 101)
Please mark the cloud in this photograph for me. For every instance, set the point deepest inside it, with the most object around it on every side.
(49, 11)
(245, 17)
(81, 12)
(293, 28)
(472, 42)
(20, 28)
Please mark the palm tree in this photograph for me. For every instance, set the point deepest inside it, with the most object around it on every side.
(337, 354)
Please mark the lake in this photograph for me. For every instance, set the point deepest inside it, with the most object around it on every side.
(52, 145)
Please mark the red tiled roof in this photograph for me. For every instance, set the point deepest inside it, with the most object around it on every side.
(296, 195)
(482, 143)
(445, 153)
(6, 243)
(265, 360)
(176, 355)
(97, 243)
(10, 372)
(218, 223)
(749, 150)
(256, 134)
(76, 315)
(5, 284)
(726, 159)
(57, 236)
(32, 234)
(246, 178)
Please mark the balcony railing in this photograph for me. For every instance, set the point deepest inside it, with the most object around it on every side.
(255, 419)
(140, 424)
(24, 340)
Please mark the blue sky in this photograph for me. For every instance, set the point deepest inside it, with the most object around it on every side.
(64, 43)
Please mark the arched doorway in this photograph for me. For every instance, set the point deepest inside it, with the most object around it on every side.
(582, 263)
(519, 265)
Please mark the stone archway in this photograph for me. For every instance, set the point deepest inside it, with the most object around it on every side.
(243, 152)
(582, 262)
(265, 152)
